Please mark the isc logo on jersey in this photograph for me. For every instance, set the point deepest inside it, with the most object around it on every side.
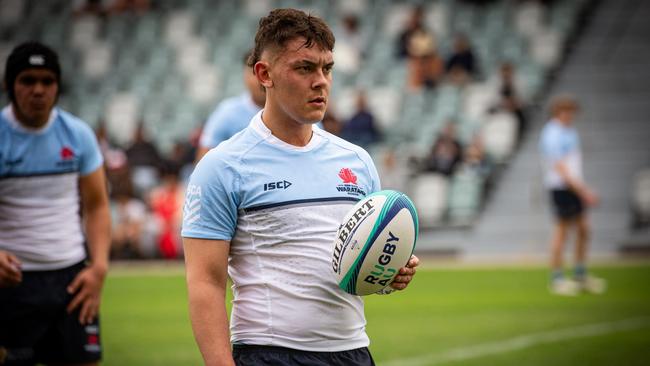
(375, 239)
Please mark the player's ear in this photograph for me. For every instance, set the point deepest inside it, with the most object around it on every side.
(262, 72)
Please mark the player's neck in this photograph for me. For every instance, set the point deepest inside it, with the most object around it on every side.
(34, 123)
(286, 129)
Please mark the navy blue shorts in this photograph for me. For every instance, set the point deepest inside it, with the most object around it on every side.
(567, 204)
(35, 326)
(247, 355)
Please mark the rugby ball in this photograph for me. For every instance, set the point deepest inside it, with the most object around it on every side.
(375, 240)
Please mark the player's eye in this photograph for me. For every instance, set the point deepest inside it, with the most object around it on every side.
(47, 81)
(27, 80)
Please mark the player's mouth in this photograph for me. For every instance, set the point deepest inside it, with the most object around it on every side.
(319, 102)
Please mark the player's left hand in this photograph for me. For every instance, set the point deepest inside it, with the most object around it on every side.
(87, 288)
(406, 274)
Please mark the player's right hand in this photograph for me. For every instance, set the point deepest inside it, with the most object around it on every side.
(590, 198)
(10, 273)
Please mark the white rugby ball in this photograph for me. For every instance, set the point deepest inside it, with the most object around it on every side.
(375, 240)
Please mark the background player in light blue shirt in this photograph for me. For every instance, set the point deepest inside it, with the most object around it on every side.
(51, 174)
(263, 209)
(570, 196)
(232, 114)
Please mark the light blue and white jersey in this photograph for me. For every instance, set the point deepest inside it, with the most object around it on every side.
(39, 192)
(280, 207)
(560, 143)
(231, 116)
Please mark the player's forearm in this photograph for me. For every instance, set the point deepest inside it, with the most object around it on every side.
(574, 184)
(210, 322)
(98, 227)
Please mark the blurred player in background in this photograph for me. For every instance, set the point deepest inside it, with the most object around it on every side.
(232, 114)
(263, 208)
(570, 197)
(50, 170)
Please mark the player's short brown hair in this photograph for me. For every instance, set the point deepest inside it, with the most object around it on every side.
(563, 103)
(283, 25)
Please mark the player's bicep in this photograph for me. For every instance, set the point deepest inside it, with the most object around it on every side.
(206, 261)
(93, 189)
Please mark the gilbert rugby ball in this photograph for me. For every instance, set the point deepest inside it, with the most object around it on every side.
(375, 239)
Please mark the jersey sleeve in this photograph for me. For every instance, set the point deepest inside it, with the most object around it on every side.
(375, 182)
(211, 200)
(91, 155)
(553, 146)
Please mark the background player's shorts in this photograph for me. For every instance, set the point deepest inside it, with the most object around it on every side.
(280, 356)
(566, 203)
(34, 324)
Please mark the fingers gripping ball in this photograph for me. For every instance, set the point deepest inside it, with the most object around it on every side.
(375, 239)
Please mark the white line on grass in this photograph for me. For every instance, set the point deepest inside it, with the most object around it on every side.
(521, 342)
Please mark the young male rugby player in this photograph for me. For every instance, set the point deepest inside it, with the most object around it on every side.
(570, 196)
(50, 170)
(263, 208)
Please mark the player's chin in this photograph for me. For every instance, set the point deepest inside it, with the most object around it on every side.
(314, 116)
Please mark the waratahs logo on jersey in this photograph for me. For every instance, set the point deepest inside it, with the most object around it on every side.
(349, 183)
(68, 158)
(67, 153)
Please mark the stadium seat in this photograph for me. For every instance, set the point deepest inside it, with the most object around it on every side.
(97, 60)
(429, 194)
(465, 197)
(202, 84)
(84, 32)
(179, 27)
(499, 136)
(122, 114)
(545, 48)
(385, 103)
(11, 12)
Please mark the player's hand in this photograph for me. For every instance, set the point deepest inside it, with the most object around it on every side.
(406, 274)
(590, 198)
(87, 289)
(10, 273)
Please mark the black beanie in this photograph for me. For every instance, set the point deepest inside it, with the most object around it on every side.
(26, 56)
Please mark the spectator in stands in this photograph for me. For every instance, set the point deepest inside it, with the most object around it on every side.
(570, 197)
(143, 152)
(92, 7)
(419, 46)
(509, 99)
(144, 162)
(128, 217)
(331, 124)
(350, 45)
(138, 7)
(233, 114)
(361, 128)
(461, 65)
(475, 160)
(166, 203)
(446, 153)
(413, 28)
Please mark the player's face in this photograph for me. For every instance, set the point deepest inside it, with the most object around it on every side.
(35, 92)
(301, 81)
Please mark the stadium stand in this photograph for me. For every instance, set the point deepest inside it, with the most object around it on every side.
(170, 65)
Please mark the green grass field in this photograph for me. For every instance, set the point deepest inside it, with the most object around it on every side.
(449, 316)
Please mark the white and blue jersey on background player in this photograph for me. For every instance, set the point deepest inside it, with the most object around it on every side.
(560, 143)
(39, 195)
(280, 206)
(231, 116)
